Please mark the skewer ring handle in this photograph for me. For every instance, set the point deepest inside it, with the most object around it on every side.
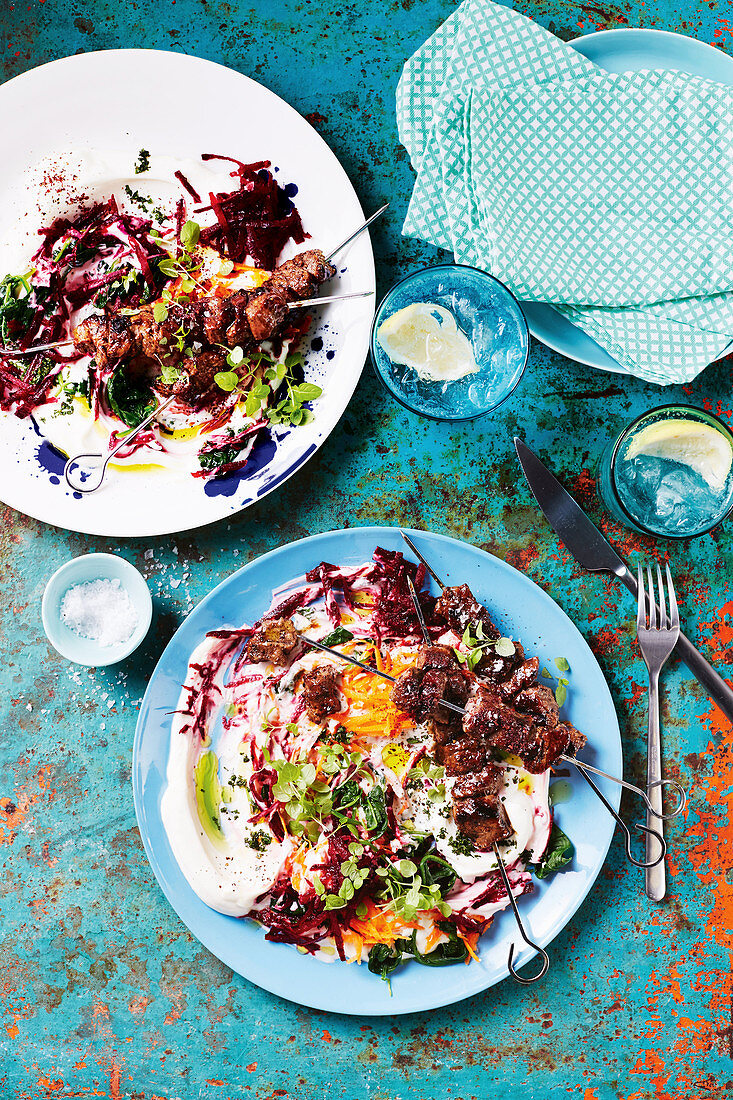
(78, 479)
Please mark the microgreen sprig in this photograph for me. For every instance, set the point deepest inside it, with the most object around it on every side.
(277, 376)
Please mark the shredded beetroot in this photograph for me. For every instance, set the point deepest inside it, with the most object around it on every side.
(180, 220)
(256, 221)
(188, 187)
(395, 612)
(331, 579)
(202, 692)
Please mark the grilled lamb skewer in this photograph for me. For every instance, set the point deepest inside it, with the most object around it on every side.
(242, 318)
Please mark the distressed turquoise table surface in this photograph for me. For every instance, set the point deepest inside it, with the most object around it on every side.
(104, 993)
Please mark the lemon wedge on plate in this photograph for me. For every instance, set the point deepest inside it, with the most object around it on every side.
(426, 337)
(689, 442)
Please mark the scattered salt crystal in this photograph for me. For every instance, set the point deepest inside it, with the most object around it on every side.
(100, 610)
(148, 555)
(175, 581)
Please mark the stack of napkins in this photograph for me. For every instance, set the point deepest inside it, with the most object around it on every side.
(608, 196)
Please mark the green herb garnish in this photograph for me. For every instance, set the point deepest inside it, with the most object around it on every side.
(142, 164)
(337, 637)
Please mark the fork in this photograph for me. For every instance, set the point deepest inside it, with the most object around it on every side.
(657, 639)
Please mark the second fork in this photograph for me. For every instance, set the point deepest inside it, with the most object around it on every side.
(657, 636)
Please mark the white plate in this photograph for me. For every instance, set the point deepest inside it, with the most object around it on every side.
(180, 106)
(624, 50)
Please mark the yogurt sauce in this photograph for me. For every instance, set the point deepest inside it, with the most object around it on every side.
(227, 874)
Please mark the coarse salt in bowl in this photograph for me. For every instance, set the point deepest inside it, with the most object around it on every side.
(96, 609)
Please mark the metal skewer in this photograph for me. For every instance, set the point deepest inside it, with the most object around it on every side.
(418, 612)
(301, 303)
(35, 348)
(515, 909)
(304, 302)
(502, 869)
(581, 764)
(459, 710)
(624, 827)
(86, 485)
(367, 668)
(357, 233)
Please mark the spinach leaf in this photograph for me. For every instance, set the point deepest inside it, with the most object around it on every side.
(445, 954)
(557, 855)
(212, 460)
(337, 636)
(375, 812)
(130, 400)
(349, 794)
(16, 312)
(434, 870)
(383, 960)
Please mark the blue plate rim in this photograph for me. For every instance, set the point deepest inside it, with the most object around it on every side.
(279, 985)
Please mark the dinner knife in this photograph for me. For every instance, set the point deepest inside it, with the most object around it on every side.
(594, 552)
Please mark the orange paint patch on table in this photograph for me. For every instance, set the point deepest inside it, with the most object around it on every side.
(676, 1071)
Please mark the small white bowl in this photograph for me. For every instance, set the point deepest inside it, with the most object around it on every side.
(93, 567)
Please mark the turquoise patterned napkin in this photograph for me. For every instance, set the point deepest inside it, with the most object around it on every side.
(607, 196)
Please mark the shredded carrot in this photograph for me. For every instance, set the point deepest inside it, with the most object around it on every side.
(380, 926)
(370, 711)
(353, 939)
(434, 937)
(470, 940)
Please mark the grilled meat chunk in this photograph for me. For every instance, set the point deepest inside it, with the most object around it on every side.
(460, 608)
(108, 337)
(195, 385)
(441, 658)
(418, 692)
(464, 756)
(507, 729)
(492, 666)
(298, 277)
(273, 640)
(483, 783)
(483, 819)
(266, 313)
(320, 691)
(540, 702)
(437, 676)
(522, 677)
(575, 739)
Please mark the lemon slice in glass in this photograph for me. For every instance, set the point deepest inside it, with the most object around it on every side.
(689, 442)
(425, 336)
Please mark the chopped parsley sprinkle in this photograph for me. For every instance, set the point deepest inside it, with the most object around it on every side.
(461, 845)
(260, 840)
(142, 164)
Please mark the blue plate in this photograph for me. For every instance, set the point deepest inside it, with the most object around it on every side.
(621, 51)
(522, 610)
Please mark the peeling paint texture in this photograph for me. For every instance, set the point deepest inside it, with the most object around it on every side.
(104, 993)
